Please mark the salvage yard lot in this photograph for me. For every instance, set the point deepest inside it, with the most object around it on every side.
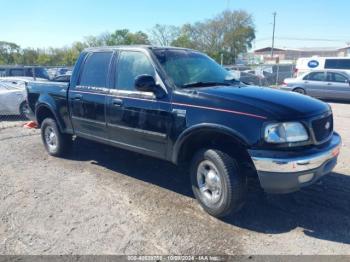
(101, 200)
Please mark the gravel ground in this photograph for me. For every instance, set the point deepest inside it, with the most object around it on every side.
(102, 200)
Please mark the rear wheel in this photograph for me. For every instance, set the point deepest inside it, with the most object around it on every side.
(56, 143)
(217, 182)
(299, 90)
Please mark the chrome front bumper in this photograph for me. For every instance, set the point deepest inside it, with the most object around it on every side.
(282, 172)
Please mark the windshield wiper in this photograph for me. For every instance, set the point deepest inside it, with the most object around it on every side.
(205, 84)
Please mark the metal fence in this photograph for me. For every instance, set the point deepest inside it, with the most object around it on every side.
(271, 75)
(13, 108)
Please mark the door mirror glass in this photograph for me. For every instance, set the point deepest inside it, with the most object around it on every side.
(145, 83)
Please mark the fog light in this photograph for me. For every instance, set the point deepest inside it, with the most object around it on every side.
(306, 178)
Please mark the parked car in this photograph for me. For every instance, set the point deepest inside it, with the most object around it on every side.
(61, 78)
(58, 71)
(252, 79)
(181, 106)
(237, 67)
(24, 71)
(324, 84)
(13, 97)
(247, 77)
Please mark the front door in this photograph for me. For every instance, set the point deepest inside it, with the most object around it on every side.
(315, 84)
(137, 120)
(87, 99)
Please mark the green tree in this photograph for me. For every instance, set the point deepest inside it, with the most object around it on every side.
(9, 52)
(164, 35)
(230, 33)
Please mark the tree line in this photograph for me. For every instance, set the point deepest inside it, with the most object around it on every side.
(226, 35)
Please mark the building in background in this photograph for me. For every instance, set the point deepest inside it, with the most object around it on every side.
(290, 55)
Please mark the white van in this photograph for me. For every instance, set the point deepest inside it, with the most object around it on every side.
(305, 65)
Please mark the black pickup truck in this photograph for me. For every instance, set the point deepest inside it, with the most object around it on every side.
(181, 106)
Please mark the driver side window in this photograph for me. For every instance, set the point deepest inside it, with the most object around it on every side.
(132, 64)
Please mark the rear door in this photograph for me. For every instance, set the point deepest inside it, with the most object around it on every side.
(87, 98)
(338, 86)
(315, 84)
(137, 120)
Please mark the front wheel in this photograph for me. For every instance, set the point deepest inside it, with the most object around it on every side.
(217, 182)
(56, 143)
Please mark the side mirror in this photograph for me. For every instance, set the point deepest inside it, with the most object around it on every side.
(147, 83)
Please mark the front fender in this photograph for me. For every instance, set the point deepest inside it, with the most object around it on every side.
(240, 138)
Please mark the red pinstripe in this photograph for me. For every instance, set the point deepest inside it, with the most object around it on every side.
(181, 104)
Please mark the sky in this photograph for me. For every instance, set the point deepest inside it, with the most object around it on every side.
(50, 23)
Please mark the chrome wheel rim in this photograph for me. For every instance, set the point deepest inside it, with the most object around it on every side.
(50, 138)
(209, 182)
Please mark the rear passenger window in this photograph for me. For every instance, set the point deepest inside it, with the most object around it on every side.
(95, 70)
(317, 76)
(335, 77)
(132, 64)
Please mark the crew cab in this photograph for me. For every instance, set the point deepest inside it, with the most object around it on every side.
(179, 105)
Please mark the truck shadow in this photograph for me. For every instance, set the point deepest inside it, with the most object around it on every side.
(322, 211)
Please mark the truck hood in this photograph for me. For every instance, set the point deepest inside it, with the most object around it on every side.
(272, 103)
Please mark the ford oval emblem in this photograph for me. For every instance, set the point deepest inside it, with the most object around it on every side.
(313, 64)
(328, 125)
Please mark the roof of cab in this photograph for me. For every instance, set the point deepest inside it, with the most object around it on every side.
(151, 47)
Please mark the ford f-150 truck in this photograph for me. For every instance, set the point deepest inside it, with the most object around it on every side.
(181, 106)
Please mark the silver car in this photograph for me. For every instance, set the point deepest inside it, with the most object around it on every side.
(324, 84)
(13, 97)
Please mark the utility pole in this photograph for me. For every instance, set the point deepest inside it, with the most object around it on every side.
(273, 34)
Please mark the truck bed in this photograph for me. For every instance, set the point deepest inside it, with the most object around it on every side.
(53, 95)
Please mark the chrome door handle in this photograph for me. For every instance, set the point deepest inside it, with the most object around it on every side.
(77, 97)
(117, 102)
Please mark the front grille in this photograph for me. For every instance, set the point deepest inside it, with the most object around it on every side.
(322, 128)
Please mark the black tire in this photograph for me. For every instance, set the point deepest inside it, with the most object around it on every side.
(24, 110)
(299, 90)
(233, 182)
(61, 143)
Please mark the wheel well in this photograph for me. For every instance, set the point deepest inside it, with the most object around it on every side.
(43, 113)
(295, 88)
(216, 140)
(20, 105)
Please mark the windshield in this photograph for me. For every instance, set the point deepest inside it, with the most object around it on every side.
(189, 68)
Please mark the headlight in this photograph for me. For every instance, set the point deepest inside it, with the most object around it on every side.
(285, 133)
